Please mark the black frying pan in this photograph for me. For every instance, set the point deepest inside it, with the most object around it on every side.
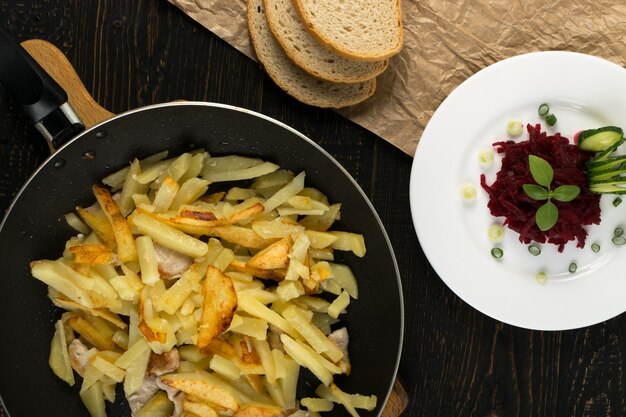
(34, 228)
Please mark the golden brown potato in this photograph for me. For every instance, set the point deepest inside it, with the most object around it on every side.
(220, 303)
(275, 256)
(126, 250)
(92, 254)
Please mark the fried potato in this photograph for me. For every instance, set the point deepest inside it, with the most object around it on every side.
(59, 359)
(126, 250)
(242, 236)
(312, 334)
(306, 358)
(281, 196)
(339, 305)
(275, 275)
(99, 223)
(92, 254)
(258, 410)
(220, 303)
(157, 406)
(205, 386)
(274, 256)
(164, 197)
(170, 237)
(199, 409)
(131, 186)
(349, 242)
(93, 399)
(90, 333)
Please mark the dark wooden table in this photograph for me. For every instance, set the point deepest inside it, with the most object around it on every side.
(456, 361)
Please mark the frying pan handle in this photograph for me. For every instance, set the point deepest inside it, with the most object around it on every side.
(43, 101)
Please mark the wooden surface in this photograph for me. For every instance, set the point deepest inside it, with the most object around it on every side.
(456, 361)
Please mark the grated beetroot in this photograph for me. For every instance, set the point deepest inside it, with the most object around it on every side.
(508, 199)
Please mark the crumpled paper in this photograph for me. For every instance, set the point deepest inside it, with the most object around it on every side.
(445, 42)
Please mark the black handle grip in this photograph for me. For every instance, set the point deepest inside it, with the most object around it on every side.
(43, 101)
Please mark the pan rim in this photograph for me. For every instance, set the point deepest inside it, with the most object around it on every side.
(282, 125)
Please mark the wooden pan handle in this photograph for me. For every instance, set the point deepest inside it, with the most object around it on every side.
(55, 63)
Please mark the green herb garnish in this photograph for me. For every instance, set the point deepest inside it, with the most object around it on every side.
(548, 214)
(573, 267)
(497, 253)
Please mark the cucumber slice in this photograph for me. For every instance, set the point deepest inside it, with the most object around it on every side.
(607, 189)
(612, 186)
(610, 163)
(597, 140)
(608, 174)
(604, 155)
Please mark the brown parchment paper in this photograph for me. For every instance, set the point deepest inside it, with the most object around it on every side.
(445, 42)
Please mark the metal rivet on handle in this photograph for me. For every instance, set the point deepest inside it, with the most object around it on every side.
(59, 163)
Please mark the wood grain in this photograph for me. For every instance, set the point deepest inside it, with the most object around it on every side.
(456, 361)
(56, 64)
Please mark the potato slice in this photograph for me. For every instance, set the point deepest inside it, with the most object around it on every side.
(90, 333)
(349, 242)
(306, 358)
(147, 260)
(274, 274)
(312, 334)
(207, 387)
(98, 222)
(281, 196)
(220, 303)
(275, 256)
(164, 197)
(199, 409)
(92, 254)
(126, 250)
(59, 360)
(258, 410)
(131, 186)
(170, 237)
(93, 398)
(242, 236)
(158, 406)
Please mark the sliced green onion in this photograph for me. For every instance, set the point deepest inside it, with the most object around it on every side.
(595, 247)
(551, 120)
(544, 109)
(468, 191)
(573, 267)
(497, 253)
(495, 232)
(619, 240)
(617, 201)
(541, 278)
(534, 250)
(618, 231)
(514, 127)
(485, 157)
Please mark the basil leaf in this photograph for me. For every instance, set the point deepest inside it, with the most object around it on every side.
(546, 216)
(536, 192)
(566, 193)
(540, 170)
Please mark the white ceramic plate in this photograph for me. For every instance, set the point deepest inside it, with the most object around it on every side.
(583, 92)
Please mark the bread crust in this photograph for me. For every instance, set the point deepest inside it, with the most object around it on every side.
(347, 53)
(325, 90)
(320, 69)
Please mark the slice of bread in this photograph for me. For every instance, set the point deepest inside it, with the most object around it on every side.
(363, 30)
(308, 53)
(291, 78)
